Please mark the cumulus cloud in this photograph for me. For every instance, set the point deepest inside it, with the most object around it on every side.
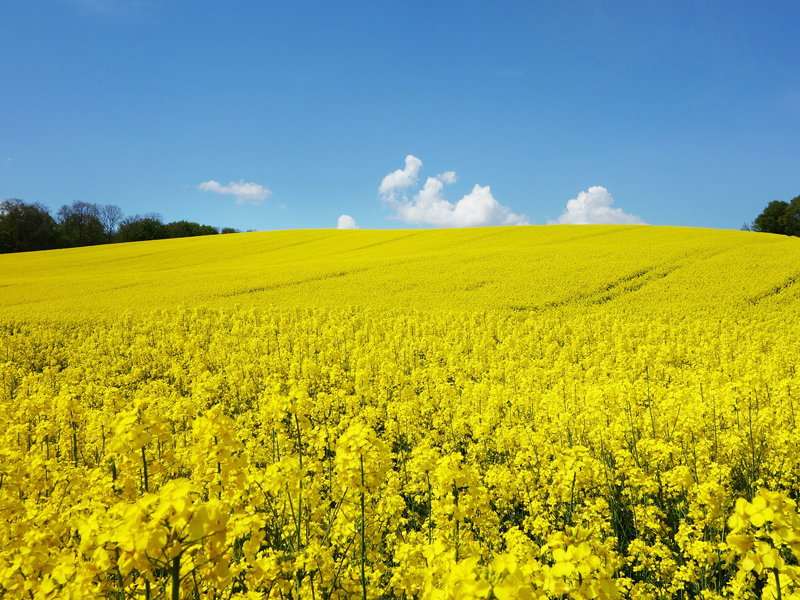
(429, 206)
(252, 193)
(594, 208)
(402, 178)
(346, 222)
(447, 177)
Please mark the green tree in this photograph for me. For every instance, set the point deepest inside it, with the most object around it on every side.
(179, 229)
(139, 228)
(25, 227)
(80, 224)
(770, 219)
(790, 219)
(208, 230)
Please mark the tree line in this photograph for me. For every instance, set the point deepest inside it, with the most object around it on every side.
(25, 227)
(778, 217)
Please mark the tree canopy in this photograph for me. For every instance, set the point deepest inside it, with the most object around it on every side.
(25, 227)
(779, 217)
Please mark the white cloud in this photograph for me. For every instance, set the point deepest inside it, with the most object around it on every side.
(402, 178)
(346, 222)
(429, 207)
(447, 177)
(594, 208)
(244, 192)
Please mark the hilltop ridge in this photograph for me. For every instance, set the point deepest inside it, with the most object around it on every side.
(535, 268)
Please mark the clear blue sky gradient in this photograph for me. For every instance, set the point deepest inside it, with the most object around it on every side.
(687, 112)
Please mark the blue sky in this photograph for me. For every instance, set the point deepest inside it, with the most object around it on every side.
(413, 114)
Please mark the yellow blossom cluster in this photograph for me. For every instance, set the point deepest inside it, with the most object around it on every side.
(335, 449)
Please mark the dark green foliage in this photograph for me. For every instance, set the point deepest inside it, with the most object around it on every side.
(780, 217)
(152, 227)
(25, 227)
(137, 228)
(790, 220)
(769, 221)
(178, 229)
(79, 225)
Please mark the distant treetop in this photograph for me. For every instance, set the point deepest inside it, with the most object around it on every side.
(25, 227)
(779, 217)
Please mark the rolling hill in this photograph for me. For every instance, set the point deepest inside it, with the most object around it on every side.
(528, 269)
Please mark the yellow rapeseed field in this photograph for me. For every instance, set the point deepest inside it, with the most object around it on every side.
(528, 412)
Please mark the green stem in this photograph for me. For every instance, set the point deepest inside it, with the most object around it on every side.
(455, 506)
(75, 443)
(430, 509)
(300, 493)
(144, 464)
(363, 540)
(176, 577)
(120, 581)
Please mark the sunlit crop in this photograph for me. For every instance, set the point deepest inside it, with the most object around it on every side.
(583, 412)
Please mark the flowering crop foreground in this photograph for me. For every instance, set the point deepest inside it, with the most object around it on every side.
(582, 412)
